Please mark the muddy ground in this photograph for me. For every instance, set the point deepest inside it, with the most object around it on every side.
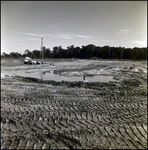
(46, 114)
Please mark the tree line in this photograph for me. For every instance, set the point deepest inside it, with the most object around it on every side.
(86, 52)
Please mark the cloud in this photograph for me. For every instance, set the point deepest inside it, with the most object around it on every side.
(83, 36)
(13, 31)
(101, 41)
(67, 36)
(63, 36)
(34, 39)
(93, 40)
(123, 31)
(37, 34)
(31, 34)
(107, 41)
(71, 36)
(144, 43)
(20, 43)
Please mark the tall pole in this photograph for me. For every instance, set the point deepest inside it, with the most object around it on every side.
(42, 48)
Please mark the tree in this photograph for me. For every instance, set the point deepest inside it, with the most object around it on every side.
(27, 53)
(48, 53)
(64, 53)
(15, 54)
(97, 52)
(57, 52)
(144, 53)
(120, 52)
(86, 51)
(128, 53)
(77, 52)
(104, 52)
(36, 54)
(70, 51)
(5, 54)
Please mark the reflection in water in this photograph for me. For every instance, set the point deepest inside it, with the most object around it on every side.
(51, 76)
(42, 74)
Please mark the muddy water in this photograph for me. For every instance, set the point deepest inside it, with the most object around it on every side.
(57, 77)
(97, 78)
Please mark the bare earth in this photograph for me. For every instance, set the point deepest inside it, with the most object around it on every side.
(38, 114)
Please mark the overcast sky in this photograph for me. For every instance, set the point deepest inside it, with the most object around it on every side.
(65, 23)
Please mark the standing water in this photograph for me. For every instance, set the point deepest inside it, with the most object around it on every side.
(57, 77)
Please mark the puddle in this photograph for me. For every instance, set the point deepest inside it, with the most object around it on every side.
(57, 77)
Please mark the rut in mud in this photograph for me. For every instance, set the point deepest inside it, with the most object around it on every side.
(36, 116)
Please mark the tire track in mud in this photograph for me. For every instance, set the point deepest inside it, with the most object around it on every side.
(73, 118)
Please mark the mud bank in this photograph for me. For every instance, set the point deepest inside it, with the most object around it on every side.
(126, 83)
